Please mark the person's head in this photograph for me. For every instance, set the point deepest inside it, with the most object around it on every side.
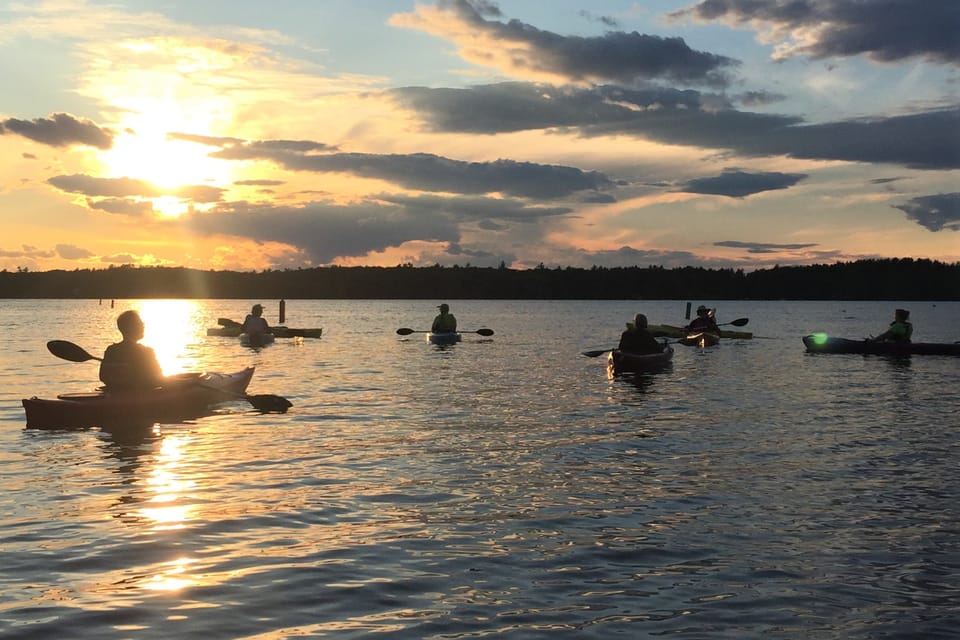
(130, 325)
(640, 321)
(702, 310)
(257, 310)
(901, 314)
(444, 308)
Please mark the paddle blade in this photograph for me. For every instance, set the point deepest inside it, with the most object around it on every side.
(69, 351)
(739, 322)
(269, 403)
(598, 352)
(485, 332)
(403, 331)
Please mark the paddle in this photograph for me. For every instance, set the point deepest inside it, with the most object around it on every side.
(739, 322)
(403, 331)
(265, 402)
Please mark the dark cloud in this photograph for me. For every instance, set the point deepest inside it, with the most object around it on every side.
(885, 30)
(105, 187)
(60, 130)
(926, 140)
(615, 56)
(936, 212)
(122, 206)
(131, 187)
(520, 106)
(739, 184)
(763, 247)
(607, 21)
(26, 251)
(258, 183)
(72, 252)
(429, 172)
(325, 231)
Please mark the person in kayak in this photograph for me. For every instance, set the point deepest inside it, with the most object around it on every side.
(637, 339)
(703, 322)
(255, 323)
(128, 365)
(445, 322)
(900, 329)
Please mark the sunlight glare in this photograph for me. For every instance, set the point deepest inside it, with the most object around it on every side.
(170, 326)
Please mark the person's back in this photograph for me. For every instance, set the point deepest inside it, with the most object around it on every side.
(445, 322)
(128, 365)
(638, 339)
(255, 323)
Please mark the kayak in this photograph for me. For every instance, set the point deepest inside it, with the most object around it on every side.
(701, 339)
(256, 339)
(670, 331)
(186, 396)
(444, 337)
(822, 343)
(625, 362)
(278, 332)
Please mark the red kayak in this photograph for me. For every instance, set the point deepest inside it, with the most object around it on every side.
(185, 396)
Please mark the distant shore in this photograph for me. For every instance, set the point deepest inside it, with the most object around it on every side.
(880, 279)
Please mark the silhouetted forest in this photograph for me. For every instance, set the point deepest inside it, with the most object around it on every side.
(886, 279)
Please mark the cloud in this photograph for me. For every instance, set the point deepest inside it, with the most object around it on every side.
(131, 187)
(72, 252)
(122, 206)
(60, 130)
(884, 30)
(739, 184)
(26, 251)
(763, 247)
(429, 172)
(325, 231)
(919, 140)
(936, 212)
(526, 52)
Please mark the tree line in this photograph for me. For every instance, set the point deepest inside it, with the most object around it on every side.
(875, 279)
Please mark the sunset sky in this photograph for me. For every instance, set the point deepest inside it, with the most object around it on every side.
(227, 134)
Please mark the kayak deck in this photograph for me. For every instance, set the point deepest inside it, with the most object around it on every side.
(624, 362)
(186, 396)
(444, 337)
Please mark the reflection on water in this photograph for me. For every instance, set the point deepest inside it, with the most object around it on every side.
(497, 488)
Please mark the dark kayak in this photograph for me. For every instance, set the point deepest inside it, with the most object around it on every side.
(822, 343)
(625, 362)
(232, 329)
(186, 396)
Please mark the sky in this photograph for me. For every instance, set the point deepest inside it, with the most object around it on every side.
(236, 135)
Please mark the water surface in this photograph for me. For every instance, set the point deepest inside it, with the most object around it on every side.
(502, 487)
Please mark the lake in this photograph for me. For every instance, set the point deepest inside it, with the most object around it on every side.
(502, 487)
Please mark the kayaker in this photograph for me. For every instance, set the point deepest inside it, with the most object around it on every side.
(704, 321)
(445, 322)
(128, 365)
(637, 339)
(900, 329)
(255, 323)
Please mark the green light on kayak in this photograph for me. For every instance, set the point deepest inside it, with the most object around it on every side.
(820, 338)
